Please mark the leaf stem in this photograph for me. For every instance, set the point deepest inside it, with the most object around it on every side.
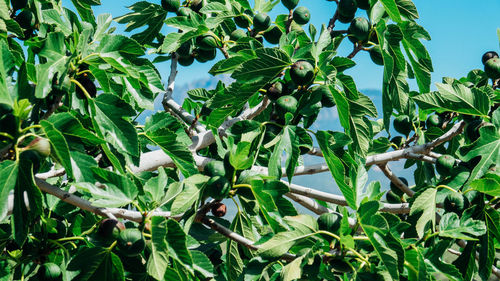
(81, 87)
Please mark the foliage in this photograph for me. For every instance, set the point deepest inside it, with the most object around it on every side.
(88, 193)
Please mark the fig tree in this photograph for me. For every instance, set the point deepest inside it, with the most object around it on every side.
(196, 5)
(340, 265)
(287, 104)
(110, 229)
(445, 164)
(290, 4)
(59, 231)
(214, 168)
(327, 99)
(206, 42)
(185, 49)
(18, 4)
(492, 68)
(347, 7)
(488, 55)
(184, 12)
(261, 22)
(472, 129)
(243, 21)
(273, 35)
(434, 121)
(301, 15)
(360, 29)
(376, 55)
(171, 5)
(329, 222)
(398, 141)
(392, 197)
(40, 145)
(50, 272)
(219, 210)
(402, 125)
(206, 55)
(237, 34)
(275, 91)
(26, 19)
(185, 61)
(396, 189)
(363, 4)
(455, 202)
(345, 18)
(31, 156)
(218, 187)
(302, 72)
(131, 242)
(87, 84)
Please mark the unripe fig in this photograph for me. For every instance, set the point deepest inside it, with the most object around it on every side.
(261, 22)
(302, 72)
(301, 15)
(40, 145)
(488, 55)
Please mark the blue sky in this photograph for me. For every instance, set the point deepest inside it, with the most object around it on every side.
(461, 32)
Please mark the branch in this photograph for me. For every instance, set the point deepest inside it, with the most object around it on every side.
(402, 208)
(171, 78)
(395, 180)
(175, 108)
(314, 207)
(87, 205)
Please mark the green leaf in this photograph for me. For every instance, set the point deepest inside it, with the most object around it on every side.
(166, 132)
(434, 255)
(465, 228)
(191, 193)
(6, 66)
(417, 269)
(8, 178)
(108, 113)
(202, 264)
(486, 252)
(327, 143)
(119, 190)
(70, 126)
(177, 247)
(144, 14)
(59, 146)
(280, 243)
(288, 143)
(392, 9)
(293, 270)
(490, 184)
(56, 66)
(456, 98)
(96, 264)
(268, 63)
(466, 262)
(158, 260)
(385, 245)
(119, 43)
(425, 206)
(487, 147)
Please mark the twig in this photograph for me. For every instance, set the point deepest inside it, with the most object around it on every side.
(289, 22)
(331, 23)
(395, 180)
(357, 47)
